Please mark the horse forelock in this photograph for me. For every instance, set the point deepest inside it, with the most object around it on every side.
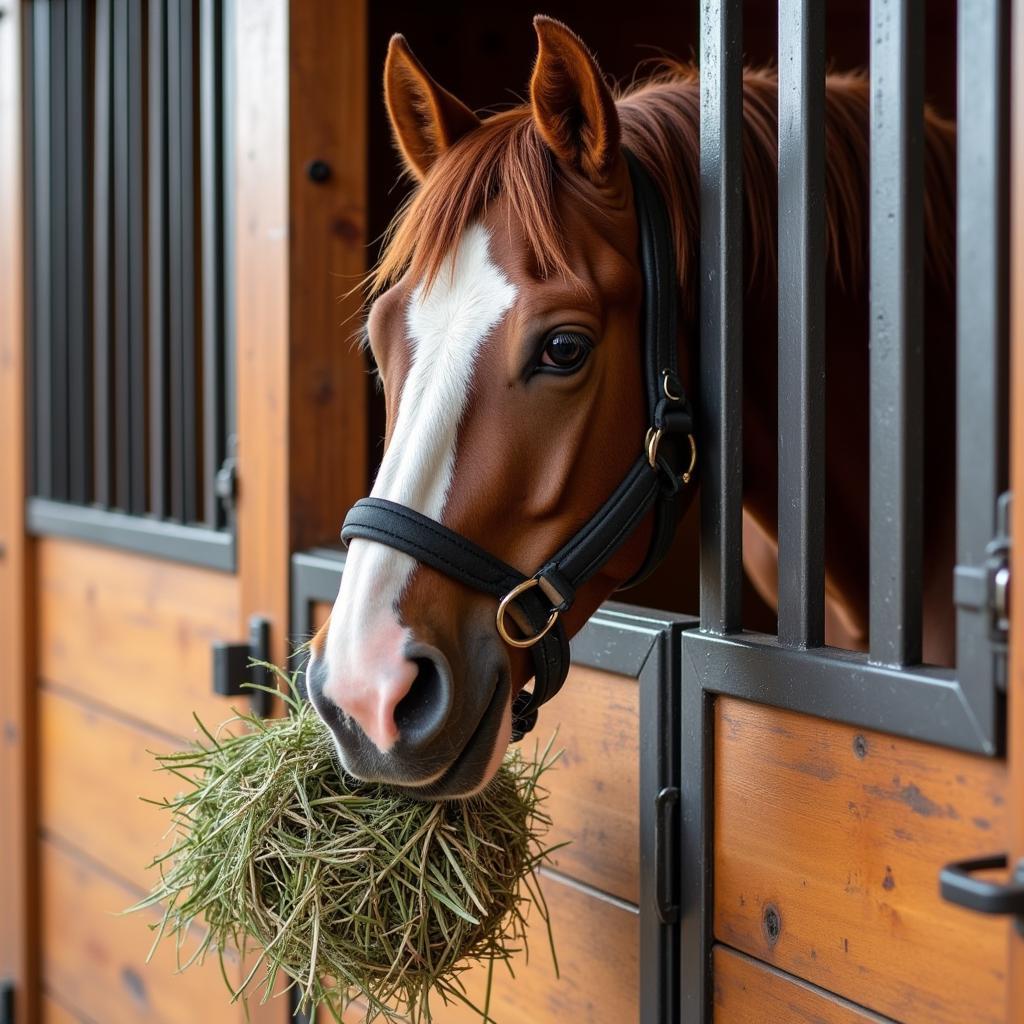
(660, 121)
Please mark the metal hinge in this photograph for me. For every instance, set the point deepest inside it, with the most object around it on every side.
(6, 1002)
(232, 667)
(225, 484)
(986, 587)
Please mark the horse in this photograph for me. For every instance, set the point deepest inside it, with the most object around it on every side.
(504, 323)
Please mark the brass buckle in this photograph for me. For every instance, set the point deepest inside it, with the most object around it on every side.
(653, 439)
(503, 608)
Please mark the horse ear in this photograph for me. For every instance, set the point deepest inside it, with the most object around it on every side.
(572, 104)
(425, 118)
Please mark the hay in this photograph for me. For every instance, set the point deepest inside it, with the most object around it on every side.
(347, 890)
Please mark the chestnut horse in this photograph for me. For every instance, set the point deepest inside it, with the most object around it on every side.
(505, 327)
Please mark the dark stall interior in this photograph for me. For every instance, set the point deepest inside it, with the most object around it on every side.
(484, 55)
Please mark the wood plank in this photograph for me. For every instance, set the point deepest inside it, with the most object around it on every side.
(56, 1013)
(95, 769)
(594, 791)
(94, 958)
(596, 942)
(134, 633)
(750, 992)
(18, 882)
(1015, 724)
(828, 844)
(329, 380)
(261, 314)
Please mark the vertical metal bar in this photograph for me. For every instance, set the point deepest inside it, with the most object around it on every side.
(42, 306)
(982, 327)
(721, 315)
(211, 85)
(102, 307)
(228, 235)
(30, 197)
(801, 373)
(79, 268)
(897, 306)
(58, 411)
(190, 259)
(122, 276)
(175, 260)
(157, 259)
(136, 260)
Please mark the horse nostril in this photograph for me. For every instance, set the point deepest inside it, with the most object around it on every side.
(423, 711)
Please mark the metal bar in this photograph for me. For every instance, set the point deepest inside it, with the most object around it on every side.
(721, 315)
(158, 364)
(78, 248)
(982, 326)
(58, 410)
(842, 686)
(801, 373)
(122, 276)
(190, 260)
(136, 262)
(102, 219)
(211, 150)
(30, 197)
(897, 308)
(228, 232)
(194, 545)
(42, 307)
(176, 430)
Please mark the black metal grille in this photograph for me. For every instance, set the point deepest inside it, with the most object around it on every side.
(130, 338)
(886, 689)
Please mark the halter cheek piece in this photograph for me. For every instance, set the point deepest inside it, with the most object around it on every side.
(665, 464)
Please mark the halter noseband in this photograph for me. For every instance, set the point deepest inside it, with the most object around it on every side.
(653, 481)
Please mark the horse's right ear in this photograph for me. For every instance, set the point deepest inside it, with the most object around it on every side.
(572, 105)
(425, 118)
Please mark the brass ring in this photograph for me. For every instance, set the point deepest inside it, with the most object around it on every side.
(503, 608)
(664, 386)
(654, 435)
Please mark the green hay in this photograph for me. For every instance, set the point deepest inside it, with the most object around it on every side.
(346, 890)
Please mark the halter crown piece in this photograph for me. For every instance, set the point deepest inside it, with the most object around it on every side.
(664, 466)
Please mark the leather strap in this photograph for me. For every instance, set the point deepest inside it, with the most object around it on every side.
(653, 481)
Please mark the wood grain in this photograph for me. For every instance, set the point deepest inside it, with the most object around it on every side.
(18, 881)
(94, 771)
(749, 992)
(841, 833)
(56, 1013)
(95, 957)
(328, 370)
(594, 790)
(133, 633)
(1015, 721)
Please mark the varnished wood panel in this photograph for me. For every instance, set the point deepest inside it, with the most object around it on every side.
(94, 770)
(18, 944)
(329, 379)
(94, 958)
(594, 790)
(56, 1013)
(748, 992)
(827, 848)
(134, 633)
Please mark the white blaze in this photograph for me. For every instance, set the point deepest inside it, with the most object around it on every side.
(447, 326)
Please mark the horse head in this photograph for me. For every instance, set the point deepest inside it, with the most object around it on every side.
(506, 328)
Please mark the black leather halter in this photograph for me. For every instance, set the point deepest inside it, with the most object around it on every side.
(665, 464)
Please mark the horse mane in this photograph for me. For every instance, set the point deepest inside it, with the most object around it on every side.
(660, 119)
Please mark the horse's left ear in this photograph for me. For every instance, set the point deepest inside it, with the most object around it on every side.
(572, 104)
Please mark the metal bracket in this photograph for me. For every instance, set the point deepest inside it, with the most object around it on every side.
(986, 587)
(232, 667)
(666, 853)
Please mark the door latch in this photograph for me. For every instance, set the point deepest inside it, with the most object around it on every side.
(232, 667)
(986, 587)
(958, 884)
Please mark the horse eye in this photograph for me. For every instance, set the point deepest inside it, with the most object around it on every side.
(565, 350)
